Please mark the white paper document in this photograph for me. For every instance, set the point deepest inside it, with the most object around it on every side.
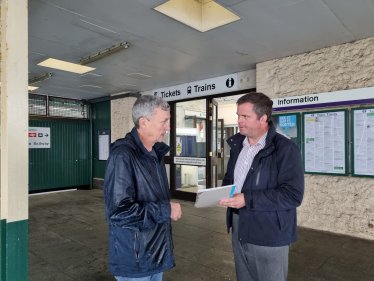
(212, 196)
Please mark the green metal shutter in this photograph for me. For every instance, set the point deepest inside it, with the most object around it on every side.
(66, 163)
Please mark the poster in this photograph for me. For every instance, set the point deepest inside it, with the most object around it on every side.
(363, 141)
(104, 144)
(288, 126)
(325, 142)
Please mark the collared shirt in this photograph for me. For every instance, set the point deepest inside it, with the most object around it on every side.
(245, 160)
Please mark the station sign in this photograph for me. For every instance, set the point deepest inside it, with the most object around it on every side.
(212, 86)
(338, 98)
(39, 137)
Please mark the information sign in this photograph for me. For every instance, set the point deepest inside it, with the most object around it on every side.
(362, 142)
(325, 142)
(192, 161)
(39, 137)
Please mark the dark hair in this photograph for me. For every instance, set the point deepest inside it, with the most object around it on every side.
(262, 104)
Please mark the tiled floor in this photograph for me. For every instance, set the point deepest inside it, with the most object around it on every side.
(68, 241)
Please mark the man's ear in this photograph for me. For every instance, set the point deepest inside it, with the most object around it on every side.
(264, 119)
(143, 123)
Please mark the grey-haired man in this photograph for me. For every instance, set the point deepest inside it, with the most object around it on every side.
(138, 207)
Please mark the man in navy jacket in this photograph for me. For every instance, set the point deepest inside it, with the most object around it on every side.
(138, 207)
(267, 170)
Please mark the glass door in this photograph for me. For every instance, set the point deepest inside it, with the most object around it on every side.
(220, 151)
(190, 153)
(213, 154)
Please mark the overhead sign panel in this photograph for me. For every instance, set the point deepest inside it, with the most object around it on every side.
(339, 98)
(216, 85)
(39, 137)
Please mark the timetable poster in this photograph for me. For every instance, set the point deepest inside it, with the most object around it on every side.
(325, 142)
(363, 141)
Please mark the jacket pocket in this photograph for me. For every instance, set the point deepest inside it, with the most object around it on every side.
(280, 219)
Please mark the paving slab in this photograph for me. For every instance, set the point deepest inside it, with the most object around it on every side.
(68, 241)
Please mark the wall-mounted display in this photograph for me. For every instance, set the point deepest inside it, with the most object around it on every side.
(325, 142)
(104, 144)
(288, 125)
(362, 155)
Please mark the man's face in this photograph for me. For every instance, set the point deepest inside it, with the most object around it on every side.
(157, 127)
(249, 125)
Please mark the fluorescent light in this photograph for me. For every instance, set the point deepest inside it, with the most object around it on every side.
(30, 88)
(66, 66)
(104, 53)
(40, 78)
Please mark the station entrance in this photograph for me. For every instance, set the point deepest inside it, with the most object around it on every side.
(199, 129)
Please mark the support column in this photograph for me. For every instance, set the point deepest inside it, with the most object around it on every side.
(14, 140)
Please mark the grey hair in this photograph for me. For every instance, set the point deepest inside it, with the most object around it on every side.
(145, 106)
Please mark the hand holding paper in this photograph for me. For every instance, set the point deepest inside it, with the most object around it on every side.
(213, 196)
(237, 201)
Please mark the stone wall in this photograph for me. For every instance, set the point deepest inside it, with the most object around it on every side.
(338, 204)
(121, 116)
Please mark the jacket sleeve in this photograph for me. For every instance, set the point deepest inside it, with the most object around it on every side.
(122, 209)
(290, 190)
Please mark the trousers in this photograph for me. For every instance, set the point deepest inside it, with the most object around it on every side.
(258, 263)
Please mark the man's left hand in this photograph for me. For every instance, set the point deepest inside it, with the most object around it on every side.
(237, 201)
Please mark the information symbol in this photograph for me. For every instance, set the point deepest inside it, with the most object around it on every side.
(230, 82)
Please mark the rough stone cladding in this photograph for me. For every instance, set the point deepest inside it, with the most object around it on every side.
(338, 204)
(121, 116)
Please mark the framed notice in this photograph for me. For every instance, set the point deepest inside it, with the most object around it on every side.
(362, 148)
(103, 144)
(325, 142)
(288, 125)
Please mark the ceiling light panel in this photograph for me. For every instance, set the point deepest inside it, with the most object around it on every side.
(202, 15)
(66, 66)
(30, 88)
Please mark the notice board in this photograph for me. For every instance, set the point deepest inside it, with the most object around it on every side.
(362, 149)
(325, 142)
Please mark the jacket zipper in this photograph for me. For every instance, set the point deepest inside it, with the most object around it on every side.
(137, 253)
(163, 191)
(259, 173)
(159, 179)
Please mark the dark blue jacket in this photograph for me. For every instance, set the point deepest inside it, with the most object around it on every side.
(138, 209)
(273, 188)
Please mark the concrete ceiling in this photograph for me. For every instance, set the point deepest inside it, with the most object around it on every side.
(173, 53)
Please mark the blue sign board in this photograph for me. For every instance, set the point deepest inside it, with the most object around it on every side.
(287, 121)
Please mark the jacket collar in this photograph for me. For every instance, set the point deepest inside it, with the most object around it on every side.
(236, 141)
(160, 148)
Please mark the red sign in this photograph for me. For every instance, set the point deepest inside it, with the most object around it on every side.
(32, 135)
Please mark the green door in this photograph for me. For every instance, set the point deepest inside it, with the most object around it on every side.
(66, 162)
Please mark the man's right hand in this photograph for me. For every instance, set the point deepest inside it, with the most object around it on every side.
(176, 211)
